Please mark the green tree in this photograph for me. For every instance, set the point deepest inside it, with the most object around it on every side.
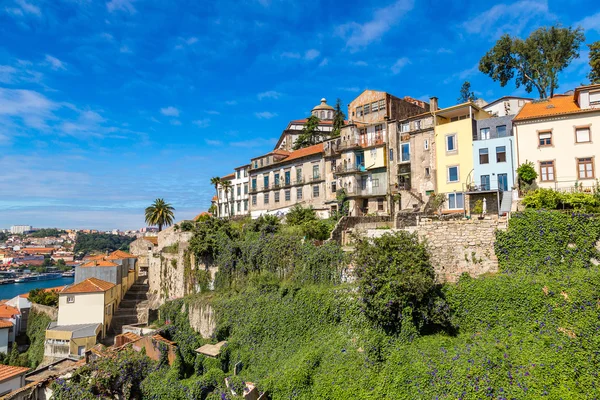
(338, 119)
(465, 93)
(44, 297)
(310, 133)
(298, 215)
(160, 213)
(526, 175)
(594, 74)
(216, 181)
(534, 62)
(394, 277)
(227, 188)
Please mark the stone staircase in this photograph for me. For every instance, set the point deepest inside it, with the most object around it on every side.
(133, 308)
(506, 202)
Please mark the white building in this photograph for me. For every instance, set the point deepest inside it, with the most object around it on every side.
(233, 200)
(20, 229)
(507, 105)
(5, 328)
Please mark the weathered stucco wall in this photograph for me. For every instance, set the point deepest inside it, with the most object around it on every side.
(202, 319)
(457, 246)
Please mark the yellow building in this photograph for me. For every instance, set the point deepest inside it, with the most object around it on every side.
(87, 302)
(454, 132)
(70, 340)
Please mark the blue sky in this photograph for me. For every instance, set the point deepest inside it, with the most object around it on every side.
(107, 105)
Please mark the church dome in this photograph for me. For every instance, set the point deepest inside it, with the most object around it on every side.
(323, 110)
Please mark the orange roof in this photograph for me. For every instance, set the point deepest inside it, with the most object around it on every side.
(5, 324)
(7, 311)
(558, 105)
(91, 285)
(119, 254)
(100, 263)
(215, 198)
(162, 339)
(56, 289)
(37, 249)
(131, 336)
(307, 151)
(228, 177)
(151, 239)
(96, 257)
(7, 371)
(280, 152)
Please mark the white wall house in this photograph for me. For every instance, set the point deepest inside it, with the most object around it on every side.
(5, 328)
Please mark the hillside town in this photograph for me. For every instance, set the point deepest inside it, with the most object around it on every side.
(392, 154)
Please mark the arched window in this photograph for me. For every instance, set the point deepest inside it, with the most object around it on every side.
(322, 114)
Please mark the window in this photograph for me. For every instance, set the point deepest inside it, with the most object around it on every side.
(426, 144)
(288, 195)
(545, 138)
(456, 201)
(427, 172)
(299, 193)
(367, 108)
(501, 154)
(484, 157)
(585, 168)
(417, 125)
(239, 190)
(245, 205)
(404, 127)
(501, 130)
(287, 178)
(237, 174)
(453, 174)
(316, 171)
(451, 142)
(333, 187)
(276, 180)
(380, 204)
(391, 154)
(503, 182)
(239, 206)
(379, 129)
(359, 111)
(108, 309)
(266, 198)
(375, 106)
(363, 183)
(266, 181)
(277, 196)
(253, 183)
(245, 188)
(375, 182)
(316, 191)
(484, 133)
(261, 162)
(594, 97)
(547, 171)
(485, 182)
(405, 152)
(70, 299)
(255, 163)
(298, 174)
(582, 135)
(381, 104)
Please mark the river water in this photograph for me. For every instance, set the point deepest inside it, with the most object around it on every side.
(14, 289)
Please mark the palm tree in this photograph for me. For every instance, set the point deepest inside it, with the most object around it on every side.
(160, 213)
(216, 181)
(227, 187)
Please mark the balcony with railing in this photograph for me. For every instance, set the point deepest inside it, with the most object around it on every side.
(349, 169)
(364, 192)
(299, 180)
(368, 141)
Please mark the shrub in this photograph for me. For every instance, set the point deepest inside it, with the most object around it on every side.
(44, 297)
(526, 172)
(553, 200)
(299, 215)
(394, 276)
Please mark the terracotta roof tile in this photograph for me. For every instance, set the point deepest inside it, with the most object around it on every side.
(119, 254)
(7, 311)
(96, 257)
(131, 336)
(151, 239)
(228, 177)
(101, 263)
(7, 371)
(162, 339)
(5, 324)
(307, 151)
(91, 285)
(558, 105)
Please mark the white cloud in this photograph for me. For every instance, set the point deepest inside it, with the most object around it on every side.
(508, 18)
(22, 8)
(360, 35)
(270, 94)
(202, 123)
(323, 62)
(443, 50)
(55, 63)
(175, 122)
(231, 102)
(265, 115)
(125, 49)
(212, 112)
(121, 5)
(311, 54)
(7, 74)
(399, 65)
(32, 108)
(191, 40)
(461, 76)
(170, 111)
(211, 142)
(590, 23)
(359, 63)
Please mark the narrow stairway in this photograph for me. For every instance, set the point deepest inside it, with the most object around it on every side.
(506, 202)
(132, 310)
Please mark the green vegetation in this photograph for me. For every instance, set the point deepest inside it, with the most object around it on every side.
(160, 213)
(310, 225)
(594, 56)
(36, 334)
(44, 297)
(338, 119)
(535, 62)
(47, 232)
(465, 93)
(310, 133)
(553, 200)
(101, 242)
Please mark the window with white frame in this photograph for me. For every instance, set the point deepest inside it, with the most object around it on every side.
(484, 157)
(453, 174)
(254, 200)
(316, 191)
(299, 193)
(404, 127)
(381, 104)
(594, 97)
(266, 198)
(277, 196)
(585, 168)
(405, 152)
(70, 299)
(451, 142)
(418, 124)
(367, 108)
(375, 106)
(484, 133)
(582, 135)
(456, 201)
(547, 171)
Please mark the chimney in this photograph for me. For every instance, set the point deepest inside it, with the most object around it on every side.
(433, 103)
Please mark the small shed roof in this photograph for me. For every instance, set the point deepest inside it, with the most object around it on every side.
(211, 350)
(77, 331)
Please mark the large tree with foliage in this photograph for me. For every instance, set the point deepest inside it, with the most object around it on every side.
(465, 93)
(310, 133)
(227, 188)
(534, 62)
(216, 181)
(594, 74)
(338, 119)
(160, 213)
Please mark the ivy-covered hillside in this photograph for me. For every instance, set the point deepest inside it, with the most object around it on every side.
(529, 332)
